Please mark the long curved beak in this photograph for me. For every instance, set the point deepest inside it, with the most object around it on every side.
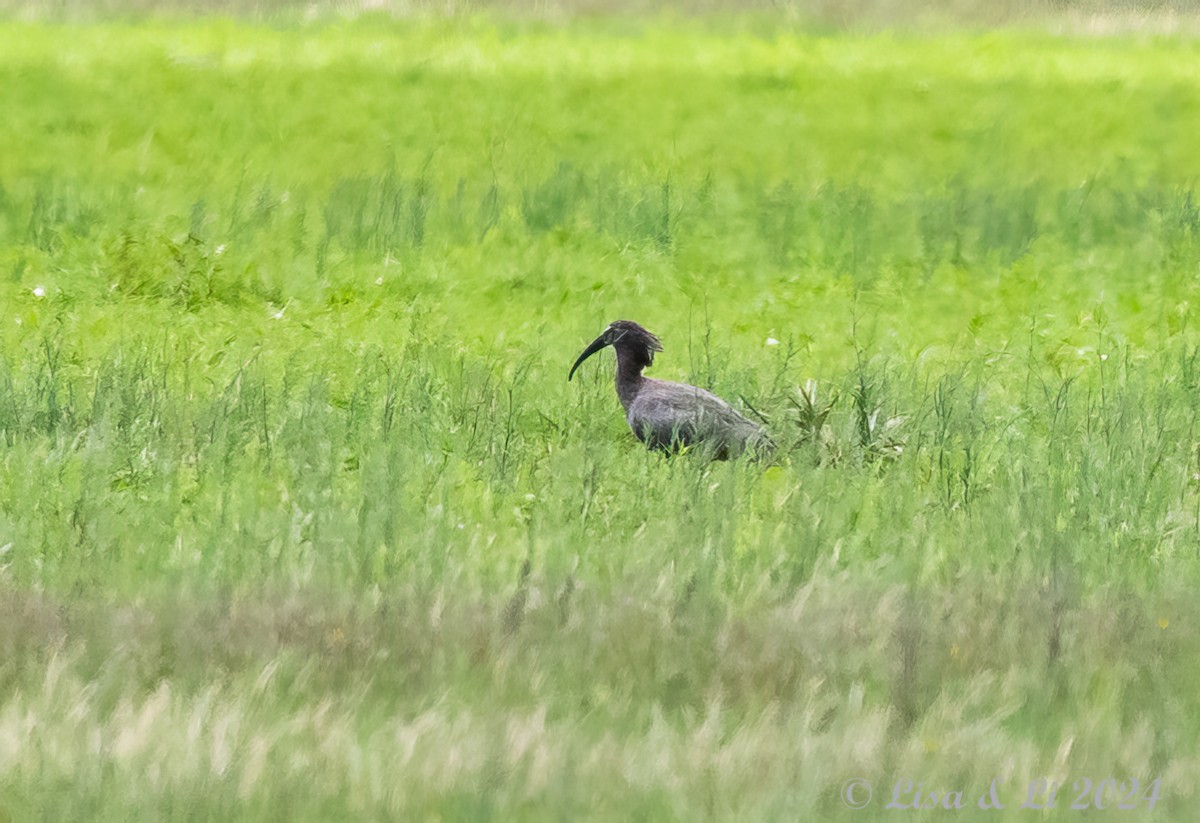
(595, 346)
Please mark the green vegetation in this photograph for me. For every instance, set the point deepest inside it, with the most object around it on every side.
(300, 519)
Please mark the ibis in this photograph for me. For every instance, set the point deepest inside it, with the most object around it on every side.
(669, 416)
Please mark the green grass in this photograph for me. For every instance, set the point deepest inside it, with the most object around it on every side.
(300, 519)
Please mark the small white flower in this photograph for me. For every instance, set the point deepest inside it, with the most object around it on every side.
(379, 281)
(771, 341)
(1104, 357)
(39, 292)
(219, 249)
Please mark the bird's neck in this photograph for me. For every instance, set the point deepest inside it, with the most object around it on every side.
(629, 378)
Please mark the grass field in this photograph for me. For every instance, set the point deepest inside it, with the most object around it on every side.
(300, 519)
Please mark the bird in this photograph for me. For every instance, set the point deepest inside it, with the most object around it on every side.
(670, 416)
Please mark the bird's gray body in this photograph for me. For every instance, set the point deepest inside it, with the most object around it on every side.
(666, 415)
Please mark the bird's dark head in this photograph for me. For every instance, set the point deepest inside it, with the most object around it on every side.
(632, 342)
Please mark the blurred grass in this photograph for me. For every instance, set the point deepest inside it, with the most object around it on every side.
(299, 517)
(1093, 17)
(426, 705)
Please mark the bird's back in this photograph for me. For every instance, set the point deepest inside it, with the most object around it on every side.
(665, 415)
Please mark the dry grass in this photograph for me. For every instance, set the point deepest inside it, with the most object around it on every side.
(301, 703)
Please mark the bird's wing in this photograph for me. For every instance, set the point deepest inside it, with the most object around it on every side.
(664, 412)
